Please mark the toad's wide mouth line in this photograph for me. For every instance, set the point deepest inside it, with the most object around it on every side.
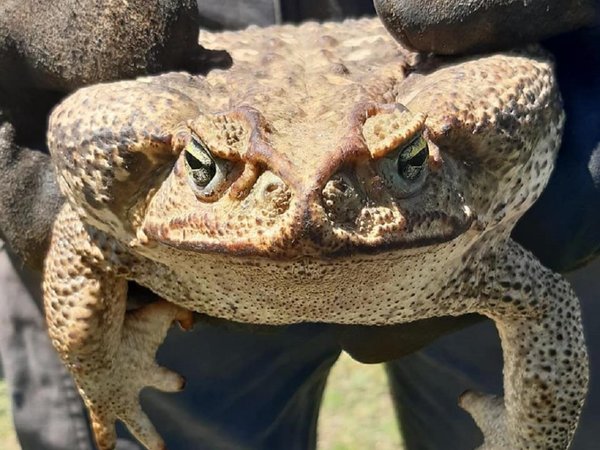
(290, 250)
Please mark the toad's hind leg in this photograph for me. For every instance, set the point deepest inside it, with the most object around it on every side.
(110, 352)
(545, 359)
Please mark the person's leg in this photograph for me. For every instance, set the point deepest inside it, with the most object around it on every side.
(244, 390)
(426, 385)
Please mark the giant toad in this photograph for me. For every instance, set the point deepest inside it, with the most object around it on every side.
(330, 175)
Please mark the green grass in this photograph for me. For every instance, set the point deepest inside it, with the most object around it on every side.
(8, 439)
(357, 412)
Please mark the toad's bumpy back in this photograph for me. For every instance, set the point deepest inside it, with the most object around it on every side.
(487, 133)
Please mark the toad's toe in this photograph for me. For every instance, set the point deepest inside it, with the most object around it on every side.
(103, 426)
(165, 380)
(141, 427)
(489, 414)
(111, 385)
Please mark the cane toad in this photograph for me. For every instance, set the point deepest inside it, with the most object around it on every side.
(330, 175)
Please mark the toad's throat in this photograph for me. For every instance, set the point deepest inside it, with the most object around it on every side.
(372, 289)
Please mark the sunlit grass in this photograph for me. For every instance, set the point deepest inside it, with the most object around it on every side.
(357, 411)
(8, 440)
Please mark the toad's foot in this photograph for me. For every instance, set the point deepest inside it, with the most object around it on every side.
(111, 385)
(489, 414)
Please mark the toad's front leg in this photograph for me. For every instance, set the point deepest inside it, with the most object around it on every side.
(109, 351)
(545, 359)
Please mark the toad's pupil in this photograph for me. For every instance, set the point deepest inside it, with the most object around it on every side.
(203, 168)
(419, 159)
(410, 167)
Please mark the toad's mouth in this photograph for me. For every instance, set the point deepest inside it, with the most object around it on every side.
(304, 237)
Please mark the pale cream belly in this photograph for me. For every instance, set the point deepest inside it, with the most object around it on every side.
(367, 289)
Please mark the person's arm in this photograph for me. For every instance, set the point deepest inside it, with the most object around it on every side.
(29, 198)
(561, 228)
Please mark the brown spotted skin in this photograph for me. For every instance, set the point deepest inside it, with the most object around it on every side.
(309, 220)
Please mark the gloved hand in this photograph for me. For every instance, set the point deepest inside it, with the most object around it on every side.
(448, 27)
(65, 44)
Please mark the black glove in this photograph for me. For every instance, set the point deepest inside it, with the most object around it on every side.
(447, 27)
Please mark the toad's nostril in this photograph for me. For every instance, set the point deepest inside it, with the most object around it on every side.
(338, 185)
(277, 197)
(272, 187)
(341, 199)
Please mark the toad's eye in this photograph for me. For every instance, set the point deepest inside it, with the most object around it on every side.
(200, 164)
(412, 159)
(208, 175)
